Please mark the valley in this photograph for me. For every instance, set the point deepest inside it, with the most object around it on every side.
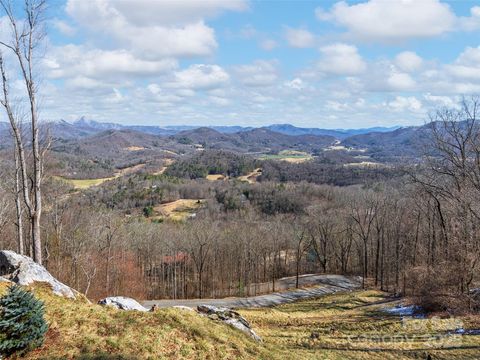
(239, 179)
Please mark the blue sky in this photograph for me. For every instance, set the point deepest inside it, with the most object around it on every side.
(329, 64)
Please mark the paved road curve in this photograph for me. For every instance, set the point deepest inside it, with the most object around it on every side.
(319, 285)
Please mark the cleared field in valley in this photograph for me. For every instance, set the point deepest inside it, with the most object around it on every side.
(215, 177)
(292, 156)
(81, 184)
(178, 210)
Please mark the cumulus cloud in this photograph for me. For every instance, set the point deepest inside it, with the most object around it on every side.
(391, 20)
(200, 77)
(77, 61)
(441, 100)
(408, 61)
(402, 103)
(341, 59)
(401, 82)
(260, 73)
(467, 65)
(472, 22)
(154, 29)
(296, 84)
(299, 38)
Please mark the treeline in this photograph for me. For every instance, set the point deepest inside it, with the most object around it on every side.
(208, 162)
(324, 171)
(414, 234)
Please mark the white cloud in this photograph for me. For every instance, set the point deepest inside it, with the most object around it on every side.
(401, 82)
(402, 103)
(408, 61)
(220, 101)
(200, 77)
(174, 12)
(72, 61)
(296, 84)
(467, 65)
(260, 73)
(341, 59)
(153, 29)
(336, 105)
(299, 38)
(391, 20)
(82, 82)
(472, 22)
(440, 100)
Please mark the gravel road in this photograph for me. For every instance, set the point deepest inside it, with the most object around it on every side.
(312, 286)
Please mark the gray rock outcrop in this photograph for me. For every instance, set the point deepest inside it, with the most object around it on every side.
(2, 279)
(122, 303)
(230, 317)
(22, 270)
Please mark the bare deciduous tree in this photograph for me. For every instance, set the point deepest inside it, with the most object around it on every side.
(27, 35)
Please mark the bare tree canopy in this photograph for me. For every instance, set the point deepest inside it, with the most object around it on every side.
(26, 37)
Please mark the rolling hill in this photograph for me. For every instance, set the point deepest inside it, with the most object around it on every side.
(407, 142)
(83, 127)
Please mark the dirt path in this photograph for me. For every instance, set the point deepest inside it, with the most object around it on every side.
(319, 285)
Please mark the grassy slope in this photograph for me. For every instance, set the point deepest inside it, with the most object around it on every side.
(82, 330)
(349, 325)
(346, 325)
(81, 184)
(289, 156)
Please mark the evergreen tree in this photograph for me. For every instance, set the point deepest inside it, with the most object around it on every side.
(22, 323)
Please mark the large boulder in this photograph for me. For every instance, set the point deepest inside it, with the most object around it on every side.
(122, 303)
(22, 270)
(230, 317)
(2, 279)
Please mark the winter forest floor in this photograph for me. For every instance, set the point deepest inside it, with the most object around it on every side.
(346, 325)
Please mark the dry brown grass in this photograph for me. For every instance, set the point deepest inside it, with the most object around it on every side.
(78, 329)
(215, 177)
(167, 163)
(134, 148)
(177, 210)
(81, 184)
(251, 178)
(344, 325)
(351, 326)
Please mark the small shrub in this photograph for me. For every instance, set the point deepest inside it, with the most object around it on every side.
(22, 323)
(148, 211)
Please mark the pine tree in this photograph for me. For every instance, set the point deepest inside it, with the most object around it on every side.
(22, 323)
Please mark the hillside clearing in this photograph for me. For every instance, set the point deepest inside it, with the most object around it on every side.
(291, 156)
(82, 184)
(134, 148)
(166, 164)
(251, 178)
(177, 210)
(215, 177)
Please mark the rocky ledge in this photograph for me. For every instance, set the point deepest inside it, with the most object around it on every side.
(122, 303)
(230, 317)
(22, 270)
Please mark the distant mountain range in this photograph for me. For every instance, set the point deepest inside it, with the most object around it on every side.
(337, 133)
(85, 136)
(85, 127)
